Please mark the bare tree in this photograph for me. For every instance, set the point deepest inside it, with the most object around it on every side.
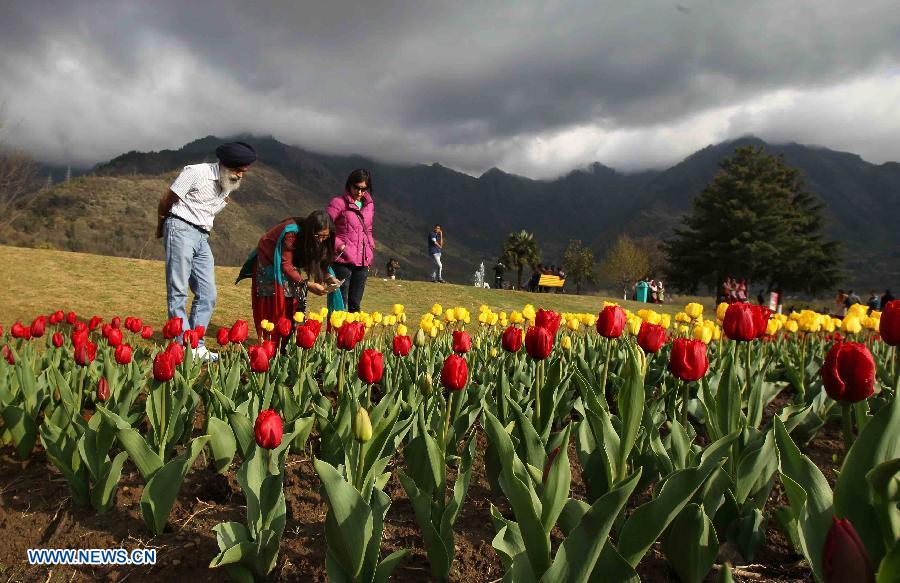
(18, 172)
(624, 264)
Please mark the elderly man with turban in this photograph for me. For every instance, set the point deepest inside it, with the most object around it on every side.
(186, 214)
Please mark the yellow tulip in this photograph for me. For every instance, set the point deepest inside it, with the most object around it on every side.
(437, 310)
(398, 309)
(851, 325)
(450, 315)
(401, 330)
(573, 325)
(494, 353)
(634, 326)
(566, 342)
(264, 324)
(665, 321)
(720, 311)
(528, 312)
(693, 310)
(792, 326)
(772, 327)
(299, 317)
(683, 330)
(377, 317)
(433, 332)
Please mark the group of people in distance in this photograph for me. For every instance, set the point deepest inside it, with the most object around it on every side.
(537, 271)
(732, 290)
(325, 253)
(844, 299)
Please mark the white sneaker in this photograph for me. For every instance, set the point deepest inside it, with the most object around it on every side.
(205, 354)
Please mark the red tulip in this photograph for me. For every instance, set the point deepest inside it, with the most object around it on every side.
(761, 315)
(95, 321)
(462, 342)
(115, 337)
(402, 345)
(688, 360)
(191, 338)
(268, 429)
(349, 335)
(58, 340)
(611, 322)
(283, 327)
(538, 342)
(71, 318)
(200, 331)
(163, 366)
(18, 330)
(849, 372)
(511, 339)
(740, 322)
(58, 316)
(259, 358)
(136, 325)
(269, 347)
(651, 337)
(147, 332)
(371, 366)
(239, 332)
(844, 556)
(102, 389)
(105, 330)
(307, 333)
(1, 331)
(547, 319)
(38, 326)
(173, 328)
(116, 322)
(455, 373)
(222, 336)
(8, 354)
(889, 328)
(85, 353)
(123, 354)
(79, 336)
(176, 352)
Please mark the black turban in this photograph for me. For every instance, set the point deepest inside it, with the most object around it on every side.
(236, 154)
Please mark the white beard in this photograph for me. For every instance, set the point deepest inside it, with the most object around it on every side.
(228, 183)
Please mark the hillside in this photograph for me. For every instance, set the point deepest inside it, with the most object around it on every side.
(110, 211)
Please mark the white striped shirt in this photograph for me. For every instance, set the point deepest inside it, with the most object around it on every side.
(200, 198)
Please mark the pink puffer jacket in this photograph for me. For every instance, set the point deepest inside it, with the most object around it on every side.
(354, 229)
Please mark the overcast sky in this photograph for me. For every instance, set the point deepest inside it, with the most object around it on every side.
(535, 88)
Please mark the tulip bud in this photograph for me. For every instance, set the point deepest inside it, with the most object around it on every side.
(268, 429)
(420, 338)
(427, 384)
(362, 426)
(58, 340)
(102, 390)
(844, 556)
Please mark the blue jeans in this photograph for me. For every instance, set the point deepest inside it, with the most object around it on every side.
(189, 265)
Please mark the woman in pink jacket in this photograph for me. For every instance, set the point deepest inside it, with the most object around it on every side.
(353, 214)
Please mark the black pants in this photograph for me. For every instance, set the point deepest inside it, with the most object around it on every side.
(354, 286)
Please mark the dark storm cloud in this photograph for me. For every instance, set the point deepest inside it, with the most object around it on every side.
(534, 87)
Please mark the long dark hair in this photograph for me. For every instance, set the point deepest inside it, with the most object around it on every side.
(311, 254)
(360, 175)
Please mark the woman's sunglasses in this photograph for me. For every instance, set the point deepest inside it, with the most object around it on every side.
(359, 188)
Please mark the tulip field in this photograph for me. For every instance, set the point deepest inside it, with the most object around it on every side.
(527, 445)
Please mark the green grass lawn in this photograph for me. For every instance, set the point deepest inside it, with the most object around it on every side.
(38, 281)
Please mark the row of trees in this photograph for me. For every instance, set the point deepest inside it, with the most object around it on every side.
(755, 220)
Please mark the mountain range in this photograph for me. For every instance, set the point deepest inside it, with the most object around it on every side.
(111, 208)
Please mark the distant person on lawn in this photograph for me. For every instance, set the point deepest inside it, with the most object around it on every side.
(393, 267)
(435, 248)
(291, 259)
(186, 213)
(353, 213)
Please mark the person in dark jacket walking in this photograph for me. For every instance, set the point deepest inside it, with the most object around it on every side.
(435, 248)
(353, 213)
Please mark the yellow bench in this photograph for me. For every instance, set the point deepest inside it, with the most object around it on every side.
(551, 281)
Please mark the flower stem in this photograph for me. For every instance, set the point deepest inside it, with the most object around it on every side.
(846, 415)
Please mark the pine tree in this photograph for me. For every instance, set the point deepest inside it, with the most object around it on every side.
(521, 250)
(755, 220)
(579, 264)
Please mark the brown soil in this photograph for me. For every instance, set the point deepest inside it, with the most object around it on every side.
(35, 511)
